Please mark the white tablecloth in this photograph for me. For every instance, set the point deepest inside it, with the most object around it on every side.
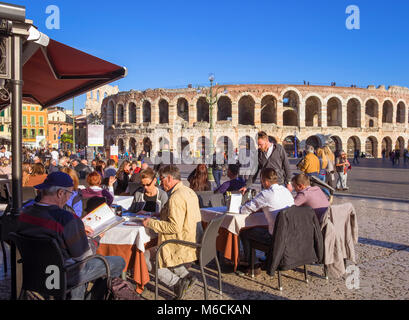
(122, 234)
(234, 222)
(123, 201)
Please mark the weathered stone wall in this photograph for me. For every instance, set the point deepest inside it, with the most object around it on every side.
(365, 117)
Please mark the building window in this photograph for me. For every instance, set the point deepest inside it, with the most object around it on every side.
(1, 128)
(41, 132)
(33, 108)
(33, 120)
(24, 133)
(24, 108)
(55, 137)
(41, 121)
(2, 113)
(33, 133)
(54, 129)
(24, 120)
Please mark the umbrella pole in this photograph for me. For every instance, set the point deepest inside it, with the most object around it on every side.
(16, 114)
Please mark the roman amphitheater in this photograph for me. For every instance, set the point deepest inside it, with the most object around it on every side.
(370, 119)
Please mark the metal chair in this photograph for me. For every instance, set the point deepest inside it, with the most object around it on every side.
(209, 199)
(37, 255)
(266, 248)
(207, 252)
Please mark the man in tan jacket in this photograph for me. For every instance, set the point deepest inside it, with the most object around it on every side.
(180, 219)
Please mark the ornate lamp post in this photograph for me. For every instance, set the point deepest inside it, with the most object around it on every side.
(211, 98)
(94, 118)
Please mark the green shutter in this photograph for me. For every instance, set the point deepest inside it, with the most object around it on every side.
(24, 120)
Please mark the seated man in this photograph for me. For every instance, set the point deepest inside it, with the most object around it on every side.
(309, 196)
(47, 218)
(271, 200)
(235, 183)
(180, 219)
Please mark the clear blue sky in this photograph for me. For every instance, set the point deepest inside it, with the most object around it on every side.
(174, 43)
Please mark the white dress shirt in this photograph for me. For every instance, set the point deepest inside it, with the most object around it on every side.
(270, 201)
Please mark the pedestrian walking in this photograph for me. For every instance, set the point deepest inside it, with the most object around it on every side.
(342, 165)
(356, 157)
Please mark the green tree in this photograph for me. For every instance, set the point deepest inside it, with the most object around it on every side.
(66, 138)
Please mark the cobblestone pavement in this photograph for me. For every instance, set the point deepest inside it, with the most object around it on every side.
(382, 250)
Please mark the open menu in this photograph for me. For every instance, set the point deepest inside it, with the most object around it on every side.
(101, 219)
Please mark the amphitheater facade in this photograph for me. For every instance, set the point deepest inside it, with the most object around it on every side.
(371, 119)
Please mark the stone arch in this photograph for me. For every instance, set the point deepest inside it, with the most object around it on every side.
(400, 112)
(121, 145)
(269, 109)
(163, 111)
(202, 108)
(291, 145)
(224, 109)
(132, 145)
(132, 112)
(314, 141)
(247, 142)
(183, 108)
(313, 106)
(246, 110)
(120, 111)
(387, 111)
(290, 118)
(400, 145)
(183, 146)
(354, 113)
(371, 146)
(291, 102)
(225, 144)
(387, 145)
(147, 111)
(203, 148)
(147, 145)
(297, 93)
(164, 143)
(335, 144)
(110, 115)
(371, 113)
(353, 143)
(334, 112)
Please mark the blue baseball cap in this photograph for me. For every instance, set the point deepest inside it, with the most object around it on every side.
(56, 179)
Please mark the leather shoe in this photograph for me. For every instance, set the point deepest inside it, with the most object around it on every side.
(180, 288)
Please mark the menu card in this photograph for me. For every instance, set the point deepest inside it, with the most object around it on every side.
(101, 219)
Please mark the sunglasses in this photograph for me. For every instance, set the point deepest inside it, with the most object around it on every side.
(145, 185)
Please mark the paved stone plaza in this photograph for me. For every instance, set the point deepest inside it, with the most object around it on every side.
(382, 251)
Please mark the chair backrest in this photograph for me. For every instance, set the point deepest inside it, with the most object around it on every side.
(208, 199)
(296, 239)
(43, 265)
(208, 250)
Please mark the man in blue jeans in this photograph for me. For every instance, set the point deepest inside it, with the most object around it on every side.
(47, 218)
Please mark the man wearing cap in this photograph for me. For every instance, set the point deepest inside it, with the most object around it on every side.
(48, 218)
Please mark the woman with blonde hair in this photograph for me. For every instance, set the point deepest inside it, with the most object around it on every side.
(26, 172)
(74, 203)
(330, 166)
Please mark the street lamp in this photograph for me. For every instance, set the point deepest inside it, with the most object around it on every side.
(211, 98)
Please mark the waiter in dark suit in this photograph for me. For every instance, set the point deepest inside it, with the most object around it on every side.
(271, 155)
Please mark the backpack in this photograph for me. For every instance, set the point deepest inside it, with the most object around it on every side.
(122, 290)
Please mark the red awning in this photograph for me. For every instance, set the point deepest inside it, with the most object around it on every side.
(58, 72)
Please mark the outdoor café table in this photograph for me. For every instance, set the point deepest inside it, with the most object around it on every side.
(124, 201)
(228, 240)
(130, 242)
